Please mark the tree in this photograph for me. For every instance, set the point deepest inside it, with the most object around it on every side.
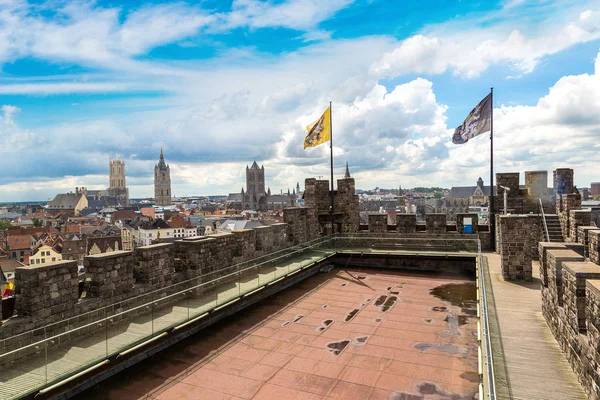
(5, 224)
(597, 197)
(37, 222)
(437, 195)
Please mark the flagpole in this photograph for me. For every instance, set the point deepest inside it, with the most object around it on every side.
(331, 159)
(492, 223)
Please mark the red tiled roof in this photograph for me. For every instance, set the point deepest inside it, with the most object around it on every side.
(179, 222)
(148, 212)
(19, 242)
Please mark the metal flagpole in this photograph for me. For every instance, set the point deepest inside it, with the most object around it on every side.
(492, 223)
(331, 158)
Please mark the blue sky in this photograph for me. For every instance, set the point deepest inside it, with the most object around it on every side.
(221, 83)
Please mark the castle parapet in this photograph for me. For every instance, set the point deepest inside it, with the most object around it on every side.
(47, 291)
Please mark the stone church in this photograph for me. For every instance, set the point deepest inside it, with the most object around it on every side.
(162, 182)
(117, 184)
(255, 197)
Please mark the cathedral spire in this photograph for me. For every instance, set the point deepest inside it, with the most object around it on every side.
(161, 160)
(347, 175)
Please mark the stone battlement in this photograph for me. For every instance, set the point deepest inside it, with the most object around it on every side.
(571, 307)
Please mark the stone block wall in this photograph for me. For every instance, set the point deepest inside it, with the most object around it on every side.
(518, 237)
(154, 265)
(594, 246)
(378, 223)
(406, 223)
(302, 224)
(543, 248)
(265, 241)
(509, 180)
(578, 218)
(555, 259)
(583, 237)
(111, 275)
(564, 205)
(436, 223)
(244, 245)
(280, 239)
(460, 221)
(563, 179)
(571, 307)
(575, 275)
(536, 183)
(47, 291)
(347, 202)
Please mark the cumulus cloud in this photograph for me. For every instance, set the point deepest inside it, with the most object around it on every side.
(561, 130)
(470, 53)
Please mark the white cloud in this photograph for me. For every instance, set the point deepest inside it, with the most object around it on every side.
(470, 52)
(294, 14)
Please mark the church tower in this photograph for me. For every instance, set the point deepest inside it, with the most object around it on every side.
(117, 183)
(255, 186)
(116, 174)
(162, 182)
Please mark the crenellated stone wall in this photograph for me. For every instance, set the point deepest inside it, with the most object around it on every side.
(111, 275)
(583, 237)
(460, 222)
(317, 195)
(154, 265)
(378, 223)
(578, 218)
(436, 223)
(563, 180)
(47, 291)
(594, 246)
(509, 180)
(518, 237)
(571, 307)
(406, 223)
(302, 224)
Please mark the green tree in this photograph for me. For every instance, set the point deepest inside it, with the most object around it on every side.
(597, 197)
(37, 222)
(437, 195)
(5, 224)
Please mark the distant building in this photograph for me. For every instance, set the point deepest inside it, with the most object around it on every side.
(117, 186)
(70, 202)
(159, 231)
(595, 189)
(104, 244)
(44, 255)
(461, 197)
(255, 197)
(238, 224)
(162, 182)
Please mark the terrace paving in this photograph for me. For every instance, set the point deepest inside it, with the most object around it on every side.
(283, 348)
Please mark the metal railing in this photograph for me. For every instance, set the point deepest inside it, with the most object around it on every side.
(544, 218)
(485, 345)
(160, 312)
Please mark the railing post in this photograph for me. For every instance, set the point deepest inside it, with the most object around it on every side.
(544, 219)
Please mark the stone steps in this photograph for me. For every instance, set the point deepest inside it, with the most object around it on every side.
(554, 228)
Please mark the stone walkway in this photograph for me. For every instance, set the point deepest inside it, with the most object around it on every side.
(528, 362)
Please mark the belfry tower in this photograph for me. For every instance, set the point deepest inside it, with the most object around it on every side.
(162, 182)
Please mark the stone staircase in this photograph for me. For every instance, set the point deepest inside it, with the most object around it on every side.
(554, 230)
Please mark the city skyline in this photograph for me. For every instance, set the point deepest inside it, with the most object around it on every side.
(223, 85)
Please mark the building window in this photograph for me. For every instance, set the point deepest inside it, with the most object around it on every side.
(53, 259)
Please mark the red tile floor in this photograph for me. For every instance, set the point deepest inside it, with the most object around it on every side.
(282, 348)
